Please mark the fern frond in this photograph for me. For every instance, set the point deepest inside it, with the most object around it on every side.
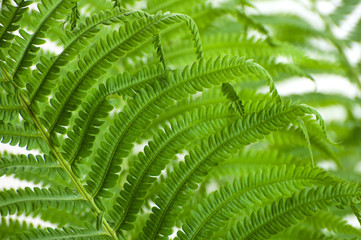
(22, 164)
(300, 233)
(9, 16)
(96, 107)
(10, 108)
(210, 97)
(28, 200)
(190, 172)
(294, 137)
(10, 227)
(332, 223)
(205, 13)
(148, 104)
(230, 93)
(355, 34)
(319, 99)
(181, 106)
(249, 160)
(247, 191)
(290, 28)
(118, 142)
(167, 75)
(74, 16)
(182, 130)
(287, 212)
(234, 45)
(159, 49)
(24, 135)
(23, 50)
(170, 5)
(47, 71)
(63, 233)
(62, 218)
(107, 52)
(344, 9)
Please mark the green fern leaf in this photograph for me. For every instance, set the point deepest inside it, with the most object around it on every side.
(169, 5)
(332, 223)
(300, 233)
(245, 192)
(123, 78)
(135, 117)
(23, 50)
(344, 9)
(47, 71)
(28, 200)
(64, 233)
(24, 135)
(10, 227)
(9, 16)
(37, 165)
(10, 108)
(355, 34)
(166, 143)
(62, 218)
(96, 107)
(189, 173)
(231, 95)
(285, 213)
(246, 161)
(119, 141)
(106, 52)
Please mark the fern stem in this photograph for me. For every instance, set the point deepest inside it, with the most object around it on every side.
(63, 163)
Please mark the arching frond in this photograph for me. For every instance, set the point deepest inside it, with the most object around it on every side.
(246, 161)
(235, 45)
(332, 223)
(182, 131)
(290, 28)
(284, 213)
(135, 117)
(107, 51)
(136, 123)
(190, 172)
(245, 192)
(293, 138)
(300, 233)
(48, 69)
(96, 107)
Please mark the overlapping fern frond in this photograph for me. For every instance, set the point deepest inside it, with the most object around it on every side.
(161, 119)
